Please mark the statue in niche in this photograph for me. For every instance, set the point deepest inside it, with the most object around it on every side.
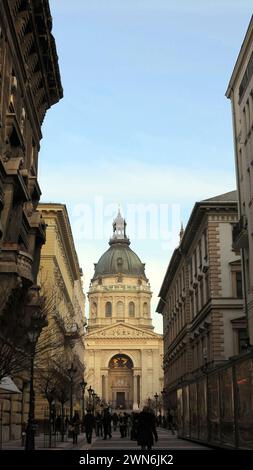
(94, 310)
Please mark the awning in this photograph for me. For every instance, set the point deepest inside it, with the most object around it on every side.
(7, 386)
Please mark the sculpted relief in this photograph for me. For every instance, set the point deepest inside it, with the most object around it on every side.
(122, 332)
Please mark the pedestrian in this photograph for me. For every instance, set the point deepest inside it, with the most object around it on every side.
(98, 425)
(122, 425)
(115, 420)
(75, 427)
(146, 429)
(171, 423)
(89, 423)
(107, 419)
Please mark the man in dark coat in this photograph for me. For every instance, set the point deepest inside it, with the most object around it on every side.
(146, 429)
(107, 419)
(89, 423)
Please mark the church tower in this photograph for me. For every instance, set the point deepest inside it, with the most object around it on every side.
(124, 355)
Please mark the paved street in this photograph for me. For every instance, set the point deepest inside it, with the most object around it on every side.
(165, 441)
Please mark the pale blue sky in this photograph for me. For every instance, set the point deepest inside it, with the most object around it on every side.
(144, 118)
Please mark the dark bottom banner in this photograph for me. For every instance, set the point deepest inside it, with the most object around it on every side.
(112, 459)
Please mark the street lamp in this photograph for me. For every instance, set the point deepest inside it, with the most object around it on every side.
(156, 398)
(90, 390)
(83, 386)
(33, 336)
(93, 401)
(71, 372)
(163, 393)
(38, 320)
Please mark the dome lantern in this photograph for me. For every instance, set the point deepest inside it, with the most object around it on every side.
(119, 230)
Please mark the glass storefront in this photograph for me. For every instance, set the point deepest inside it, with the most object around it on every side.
(194, 434)
(180, 411)
(218, 409)
(202, 410)
(244, 389)
(227, 407)
(186, 412)
(214, 407)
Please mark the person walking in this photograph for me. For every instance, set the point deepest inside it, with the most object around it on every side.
(115, 420)
(146, 429)
(171, 423)
(89, 423)
(107, 419)
(75, 425)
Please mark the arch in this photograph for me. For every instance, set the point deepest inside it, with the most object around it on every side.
(121, 381)
(131, 309)
(121, 361)
(108, 309)
(120, 309)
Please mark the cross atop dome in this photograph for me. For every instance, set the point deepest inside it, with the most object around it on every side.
(119, 230)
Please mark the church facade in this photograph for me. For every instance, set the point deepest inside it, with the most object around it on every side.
(124, 355)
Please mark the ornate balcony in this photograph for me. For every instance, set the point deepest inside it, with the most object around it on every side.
(240, 234)
(13, 261)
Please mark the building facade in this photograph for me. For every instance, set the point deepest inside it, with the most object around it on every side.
(201, 296)
(240, 92)
(61, 343)
(123, 354)
(29, 85)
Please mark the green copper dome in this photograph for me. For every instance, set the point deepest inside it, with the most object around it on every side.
(119, 258)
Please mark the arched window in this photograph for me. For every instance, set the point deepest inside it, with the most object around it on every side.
(108, 309)
(131, 309)
(120, 309)
(145, 309)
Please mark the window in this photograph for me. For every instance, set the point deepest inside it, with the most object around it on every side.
(196, 301)
(108, 309)
(131, 309)
(236, 277)
(239, 290)
(242, 340)
(201, 288)
(207, 288)
(200, 253)
(195, 263)
(120, 309)
(145, 309)
(205, 244)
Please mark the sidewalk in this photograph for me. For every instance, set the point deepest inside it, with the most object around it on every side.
(40, 444)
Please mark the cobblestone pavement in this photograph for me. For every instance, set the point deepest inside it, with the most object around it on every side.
(166, 440)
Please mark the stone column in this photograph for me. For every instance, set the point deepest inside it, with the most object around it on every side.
(135, 394)
(106, 387)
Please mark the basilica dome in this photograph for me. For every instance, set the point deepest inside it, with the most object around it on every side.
(119, 258)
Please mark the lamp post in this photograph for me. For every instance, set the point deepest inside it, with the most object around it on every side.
(33, 336)
(38, 320)
(93, 401)
(156, 398)
(83, 386)
(71, 372)
(90, 390)
(163, 393)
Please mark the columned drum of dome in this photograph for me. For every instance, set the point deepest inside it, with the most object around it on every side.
(124, 355)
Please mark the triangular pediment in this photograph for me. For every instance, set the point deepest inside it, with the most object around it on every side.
(122, 330)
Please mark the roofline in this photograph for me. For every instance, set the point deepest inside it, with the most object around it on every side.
(240, 58)
(197, 215)
(61, 209)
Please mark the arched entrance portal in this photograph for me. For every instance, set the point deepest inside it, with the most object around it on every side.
(121, 382)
